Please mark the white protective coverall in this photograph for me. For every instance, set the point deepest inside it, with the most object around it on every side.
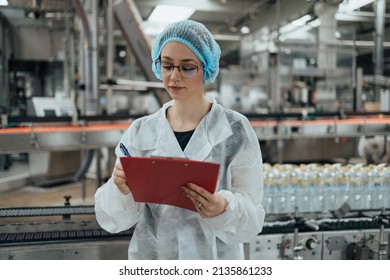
(167, 232)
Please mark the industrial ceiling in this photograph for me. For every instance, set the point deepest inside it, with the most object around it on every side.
(226, 17)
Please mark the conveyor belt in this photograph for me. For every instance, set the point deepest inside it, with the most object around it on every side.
(95, 135)
(64, 231)
(46, 211)
(324, 225)
(255, 123)
(82, 235)
(64, 128)
(7, 239)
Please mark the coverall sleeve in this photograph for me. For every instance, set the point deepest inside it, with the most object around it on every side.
(244, 217)
(116, 212)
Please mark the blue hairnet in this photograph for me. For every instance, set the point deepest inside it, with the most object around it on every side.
(197, 38)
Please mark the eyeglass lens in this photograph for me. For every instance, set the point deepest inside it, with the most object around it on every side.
(187, 71)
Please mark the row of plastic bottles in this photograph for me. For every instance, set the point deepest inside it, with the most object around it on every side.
(319, 188)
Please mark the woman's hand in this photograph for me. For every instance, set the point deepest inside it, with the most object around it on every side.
(208, 204)
(120, 179)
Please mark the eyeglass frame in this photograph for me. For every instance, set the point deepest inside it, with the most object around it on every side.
(178, 68)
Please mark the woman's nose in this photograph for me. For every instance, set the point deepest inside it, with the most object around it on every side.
(176, 76)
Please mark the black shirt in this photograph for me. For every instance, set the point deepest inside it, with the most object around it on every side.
(184, 137)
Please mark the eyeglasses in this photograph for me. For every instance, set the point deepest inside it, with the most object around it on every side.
(186, 70)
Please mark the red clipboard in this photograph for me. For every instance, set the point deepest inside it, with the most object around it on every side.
(159, 180)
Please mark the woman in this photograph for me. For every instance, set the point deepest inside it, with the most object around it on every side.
(185, 56)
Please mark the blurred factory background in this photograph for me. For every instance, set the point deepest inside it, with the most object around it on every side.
(312, 76)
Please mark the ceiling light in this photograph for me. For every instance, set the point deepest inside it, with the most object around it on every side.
(3, 3)
(168, 13)
(152, 28)
(353, 5)
(295, 24)
(301, 21)
(245, 29)
(163, 15)
(122, 53)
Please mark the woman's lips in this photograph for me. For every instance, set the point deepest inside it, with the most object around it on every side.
(176, 88)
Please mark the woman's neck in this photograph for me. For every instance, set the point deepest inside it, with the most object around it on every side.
(185, 116)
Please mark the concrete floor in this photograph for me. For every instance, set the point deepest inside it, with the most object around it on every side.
(29, 195)
(17, 191)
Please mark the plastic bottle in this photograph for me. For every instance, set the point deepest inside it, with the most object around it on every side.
(377, 187)
(291, 188)
(386, 186)
(318, 190)
(280, 190)
(267, 200)
(356, 188)
(303, 190)
(329, 183)
(366, 186)
(342, 186)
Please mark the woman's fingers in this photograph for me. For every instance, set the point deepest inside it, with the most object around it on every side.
(197, 193)
(208, 204)
(120, 179)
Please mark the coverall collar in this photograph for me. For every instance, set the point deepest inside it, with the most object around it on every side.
(213, 129)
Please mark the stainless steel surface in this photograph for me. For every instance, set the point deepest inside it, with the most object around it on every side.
(333, 240)
(279, 246)
(110, 52)
(90, 56)
(74, 138)
(281, 141)
(102, 250)
(83, 239)
(380, 9)
(59, 238)
(337, 245)
(328, 129)
(122, 84)
(61, 140)
(308, 150)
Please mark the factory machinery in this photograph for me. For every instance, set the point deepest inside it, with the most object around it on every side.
(55, 142)
(337, 132)
(361, 234)
(62, 147)
(335, 235)
(71, 231)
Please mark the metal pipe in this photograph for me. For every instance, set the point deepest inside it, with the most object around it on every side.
(110, 48)
(5, 47)
(94, 104)
(89, 97)
(354, 73)
(3, 102)
(87, 160)
(69, 63)
(380, 7)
